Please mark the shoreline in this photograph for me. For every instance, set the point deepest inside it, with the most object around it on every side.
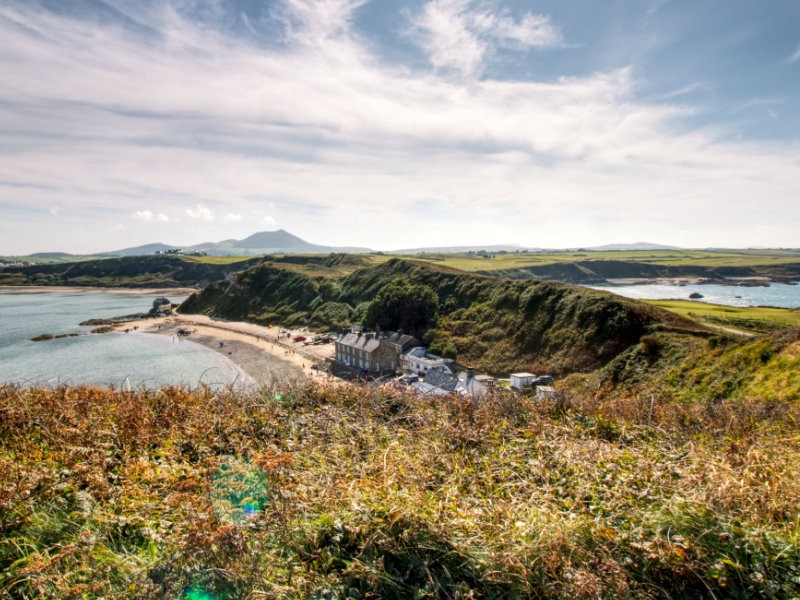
(264, 353)
(68, 289)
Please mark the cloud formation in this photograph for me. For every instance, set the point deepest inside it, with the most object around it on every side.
(148, 216)
(200, 213)
(161, 109)
(461, 34)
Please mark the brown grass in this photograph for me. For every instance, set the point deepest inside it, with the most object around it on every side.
(349, 492)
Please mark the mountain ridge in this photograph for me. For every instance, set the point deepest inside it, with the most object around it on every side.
(279, 241)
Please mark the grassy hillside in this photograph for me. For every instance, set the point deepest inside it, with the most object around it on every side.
(357, 493)
(43, 258)
(574, 267)
(673, 258)
(708, 372)
(587, 267)
(496, 325)
(133, 271)
(760, 319)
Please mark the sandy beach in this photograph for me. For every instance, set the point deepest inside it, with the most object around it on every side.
(264, 353)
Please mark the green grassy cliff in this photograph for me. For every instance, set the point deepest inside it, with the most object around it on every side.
(493, 324)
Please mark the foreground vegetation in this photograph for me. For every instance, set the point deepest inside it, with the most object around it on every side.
(336, 492)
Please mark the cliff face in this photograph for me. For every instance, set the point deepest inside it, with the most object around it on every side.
(494, 324)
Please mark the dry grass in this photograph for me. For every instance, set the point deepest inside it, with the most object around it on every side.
(348, 492)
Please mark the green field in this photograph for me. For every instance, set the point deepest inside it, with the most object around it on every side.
(751, 319)
(51, 260)
(705, 258)
(217, 260)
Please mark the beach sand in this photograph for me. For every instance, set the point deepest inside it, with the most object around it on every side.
(264, 353)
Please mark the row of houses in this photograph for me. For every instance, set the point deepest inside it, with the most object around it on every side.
(385, 353)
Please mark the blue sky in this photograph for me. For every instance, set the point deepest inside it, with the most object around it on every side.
(399, 124)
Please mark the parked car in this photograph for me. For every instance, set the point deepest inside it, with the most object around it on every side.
(299, 338)
(543, 380)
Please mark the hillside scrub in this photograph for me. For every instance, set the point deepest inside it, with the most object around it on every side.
(492, 324)
(130, 271)
(352, 492)
(718, 369)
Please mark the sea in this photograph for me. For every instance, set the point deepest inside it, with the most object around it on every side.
(121, 360)
(779, 295)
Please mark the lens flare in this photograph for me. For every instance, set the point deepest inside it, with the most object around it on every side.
(239, 490)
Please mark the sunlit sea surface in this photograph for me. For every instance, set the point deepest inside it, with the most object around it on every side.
(777, 294)
(114, 359)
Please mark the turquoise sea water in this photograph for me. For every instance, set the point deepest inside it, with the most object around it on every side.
(113, 359)
(777, 294)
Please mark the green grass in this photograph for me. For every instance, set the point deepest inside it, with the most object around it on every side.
(217, 260)
(752, 319)
(51, 260)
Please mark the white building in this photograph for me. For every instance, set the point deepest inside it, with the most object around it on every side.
(545, 392)
(519, 381)
(418, 361)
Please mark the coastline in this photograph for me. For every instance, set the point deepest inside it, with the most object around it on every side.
(265, 353)
(65, 289)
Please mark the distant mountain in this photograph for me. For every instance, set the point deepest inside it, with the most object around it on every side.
(634, 246)
(263, 242)
(139, 250)
(463, 249)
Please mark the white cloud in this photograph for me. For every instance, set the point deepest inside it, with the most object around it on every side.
(321, 134)
(315, 22)
(459, 34)
(146, 216)
(796, 56)
(200, 213)
(232, 218)
(55, 210)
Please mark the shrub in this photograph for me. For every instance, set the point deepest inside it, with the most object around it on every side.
(651, 346)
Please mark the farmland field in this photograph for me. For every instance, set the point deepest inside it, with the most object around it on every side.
(706, 258)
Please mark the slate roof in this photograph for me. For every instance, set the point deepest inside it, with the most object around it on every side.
(362, 342)
(370, 342)
(441, 379)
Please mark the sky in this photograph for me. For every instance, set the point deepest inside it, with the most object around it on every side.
(399, 123)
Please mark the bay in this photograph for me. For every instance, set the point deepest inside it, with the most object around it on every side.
(776, 294)
(113, 359)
